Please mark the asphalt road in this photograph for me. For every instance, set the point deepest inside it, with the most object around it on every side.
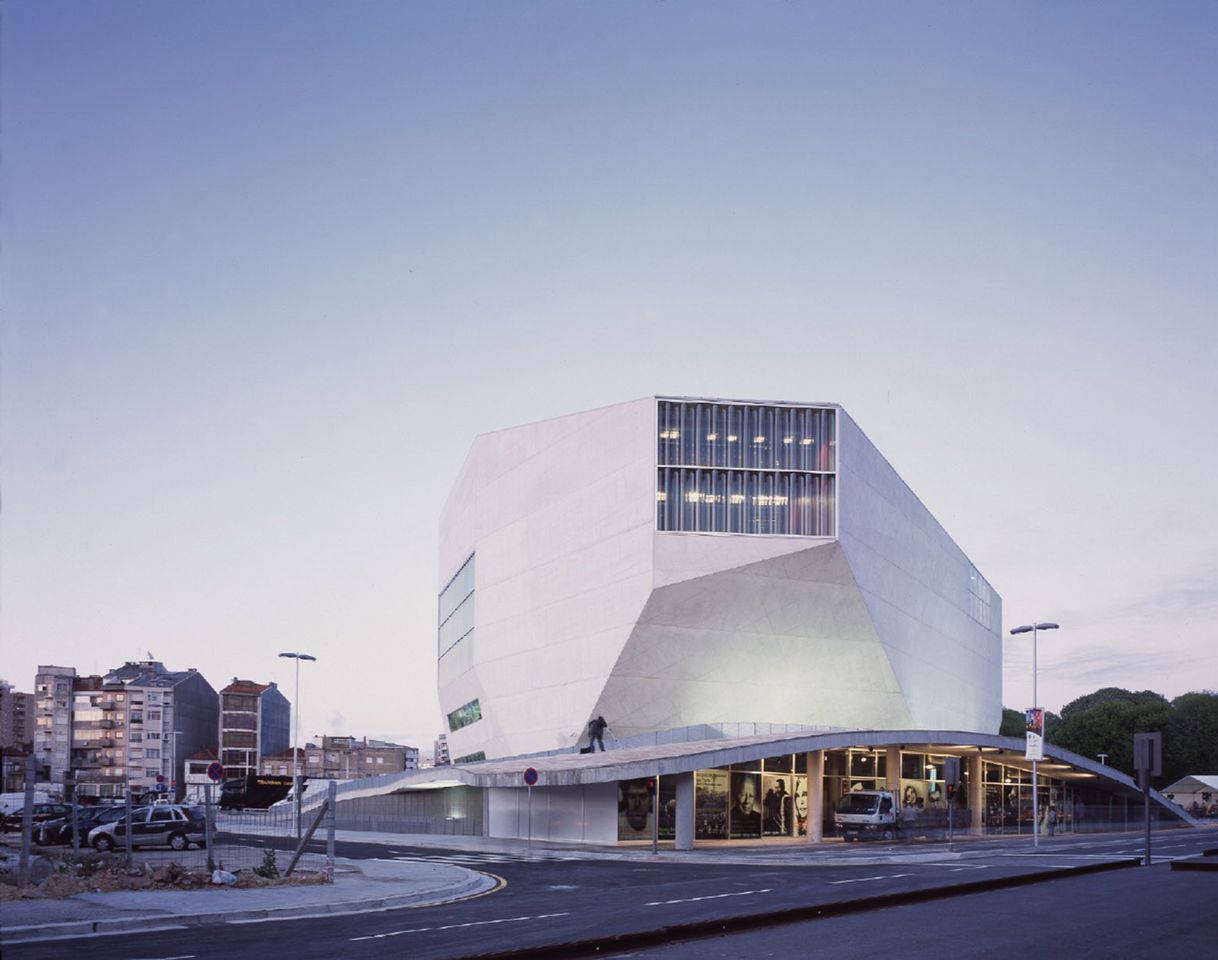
(1144, 914)
(546, 901)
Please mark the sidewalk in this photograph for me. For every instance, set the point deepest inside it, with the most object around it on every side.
(359, 885)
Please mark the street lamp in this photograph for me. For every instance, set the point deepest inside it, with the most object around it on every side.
(296, 735)
(1033, 628)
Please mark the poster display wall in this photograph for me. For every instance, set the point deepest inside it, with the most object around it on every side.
(776, 805)
(634, 810)
(800, 806)
(711, 800)
(744, 818)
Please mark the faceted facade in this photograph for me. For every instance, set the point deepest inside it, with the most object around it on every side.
(672, 561)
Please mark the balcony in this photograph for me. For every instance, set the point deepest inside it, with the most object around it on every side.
(109, 704)
(106, 724)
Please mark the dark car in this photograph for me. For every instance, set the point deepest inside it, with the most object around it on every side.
(42, 812)
(163, 824)
(59, 830)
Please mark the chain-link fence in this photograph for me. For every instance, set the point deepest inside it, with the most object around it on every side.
(270, 843)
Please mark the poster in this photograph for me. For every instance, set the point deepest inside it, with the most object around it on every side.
(668, 808)
(776, 806)
(710, 802)
(744, 817)
(1034, 722)
(634, 810)
(800, 805)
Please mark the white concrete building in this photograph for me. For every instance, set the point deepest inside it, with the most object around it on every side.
(670, 562)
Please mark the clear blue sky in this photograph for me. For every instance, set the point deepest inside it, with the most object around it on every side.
(267, 268)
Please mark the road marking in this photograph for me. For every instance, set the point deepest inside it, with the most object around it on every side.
(184, 956)
(983, 866)
(459, 926)
(713, 896)
(891, 876)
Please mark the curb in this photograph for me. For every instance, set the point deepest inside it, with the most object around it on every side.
(711, 928)
(477, 883)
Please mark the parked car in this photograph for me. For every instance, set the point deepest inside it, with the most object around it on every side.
(59, 830)
(42, 811)
(161, 825)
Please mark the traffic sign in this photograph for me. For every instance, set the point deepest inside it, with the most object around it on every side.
(160, 778)
(530, 777)
(161, 788)
(215, 770)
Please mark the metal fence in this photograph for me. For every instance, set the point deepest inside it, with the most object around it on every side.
(270, 843)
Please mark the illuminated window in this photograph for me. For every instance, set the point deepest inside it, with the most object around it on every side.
(465, 715)
(786, 488)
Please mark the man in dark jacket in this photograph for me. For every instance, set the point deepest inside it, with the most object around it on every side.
(596, 733)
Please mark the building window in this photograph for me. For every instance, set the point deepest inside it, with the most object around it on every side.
(980, 599)
(456, 608)
(746, 469)
(464, 716)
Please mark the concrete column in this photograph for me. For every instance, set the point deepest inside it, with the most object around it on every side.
(816, 796)
(976, 794)
(892, 764)
(685, 811)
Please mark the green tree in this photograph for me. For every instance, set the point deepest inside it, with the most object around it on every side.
(1190, 737)
(1105, 722)
(1012, 723)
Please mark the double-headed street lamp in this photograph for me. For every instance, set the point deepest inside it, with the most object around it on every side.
(1033, 628)
(296, 736)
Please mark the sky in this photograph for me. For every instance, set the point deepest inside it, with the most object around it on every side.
(266, 269)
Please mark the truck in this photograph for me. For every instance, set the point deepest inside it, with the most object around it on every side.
(863, 814)
(257, 791)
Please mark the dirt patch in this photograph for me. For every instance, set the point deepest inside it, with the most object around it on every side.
(102, 872)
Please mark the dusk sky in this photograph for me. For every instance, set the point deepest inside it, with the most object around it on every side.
(268, 268)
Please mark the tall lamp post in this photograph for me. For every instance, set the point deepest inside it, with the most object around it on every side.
(1033, 628)
(296, 736)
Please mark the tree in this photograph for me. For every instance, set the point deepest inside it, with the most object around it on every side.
(1190, 737)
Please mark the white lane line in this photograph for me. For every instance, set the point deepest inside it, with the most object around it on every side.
(712, 896)
(459, 926)
(891, 876)
(983, 866)
(184, 956)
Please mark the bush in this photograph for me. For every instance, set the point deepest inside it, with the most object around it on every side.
(269, 868)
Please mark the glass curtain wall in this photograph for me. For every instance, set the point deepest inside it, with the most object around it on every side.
(738, 468)
(456, 608)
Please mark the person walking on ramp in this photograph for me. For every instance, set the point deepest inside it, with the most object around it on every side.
(596, 733)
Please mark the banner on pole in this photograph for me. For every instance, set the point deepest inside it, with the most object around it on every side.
(1034, 723)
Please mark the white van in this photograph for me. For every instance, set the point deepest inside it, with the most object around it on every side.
(12, 802)
(868, 813)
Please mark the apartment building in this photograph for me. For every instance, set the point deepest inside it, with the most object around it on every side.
(132, 727)
(16, 717)
(254, 722)
(345, 758)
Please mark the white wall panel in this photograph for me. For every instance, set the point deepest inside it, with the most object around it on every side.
(914, 580)
(580, 814)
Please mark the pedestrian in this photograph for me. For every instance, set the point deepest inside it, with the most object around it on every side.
(1052, 819)
(596, 733)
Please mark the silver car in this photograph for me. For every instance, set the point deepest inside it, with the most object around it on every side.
(161, 825)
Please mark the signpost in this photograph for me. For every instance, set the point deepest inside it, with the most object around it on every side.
(1148, 761)
(1034, 750)
(951, 773)
(530, 780)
